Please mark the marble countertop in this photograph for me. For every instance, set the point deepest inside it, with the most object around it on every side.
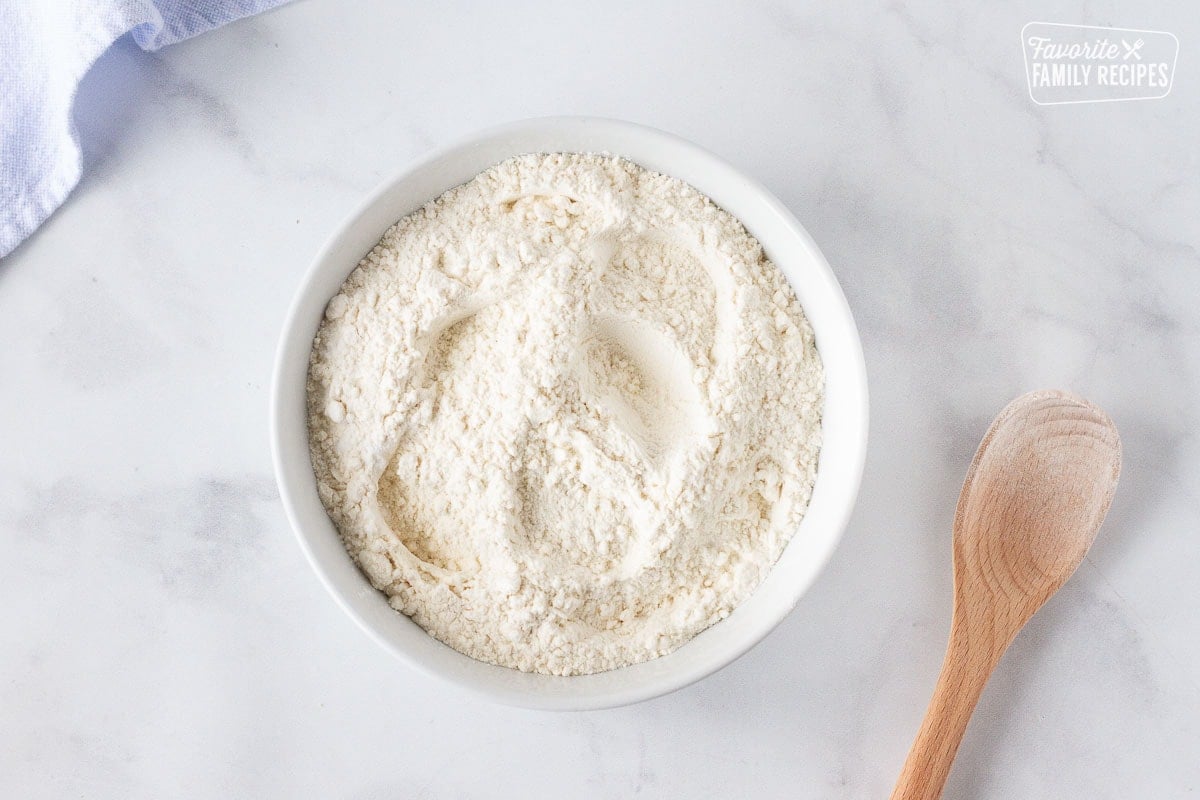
(162, 633)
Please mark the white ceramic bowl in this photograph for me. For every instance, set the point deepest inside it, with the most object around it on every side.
(844, 422)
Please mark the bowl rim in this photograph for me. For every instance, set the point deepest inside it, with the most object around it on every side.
(855, 414)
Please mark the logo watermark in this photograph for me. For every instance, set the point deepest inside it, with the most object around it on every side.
(1090, 64)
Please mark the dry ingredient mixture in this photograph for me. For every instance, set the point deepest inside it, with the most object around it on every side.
(567, 415)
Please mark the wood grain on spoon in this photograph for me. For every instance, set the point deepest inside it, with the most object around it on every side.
(1033, 499)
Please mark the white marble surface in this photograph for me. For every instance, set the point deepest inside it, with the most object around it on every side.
(162, 635)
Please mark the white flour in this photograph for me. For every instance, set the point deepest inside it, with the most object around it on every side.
(567, 415)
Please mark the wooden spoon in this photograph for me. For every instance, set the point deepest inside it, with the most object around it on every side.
(1031, 504)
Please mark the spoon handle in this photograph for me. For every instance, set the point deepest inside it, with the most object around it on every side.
(965, 671)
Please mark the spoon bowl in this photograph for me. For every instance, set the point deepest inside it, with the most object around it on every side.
(1033, 499)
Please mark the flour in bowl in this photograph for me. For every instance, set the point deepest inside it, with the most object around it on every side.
(567, 415)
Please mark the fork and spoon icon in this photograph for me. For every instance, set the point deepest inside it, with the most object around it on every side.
(1132, 49)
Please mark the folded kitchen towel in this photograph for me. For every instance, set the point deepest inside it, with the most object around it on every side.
(46, 46)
